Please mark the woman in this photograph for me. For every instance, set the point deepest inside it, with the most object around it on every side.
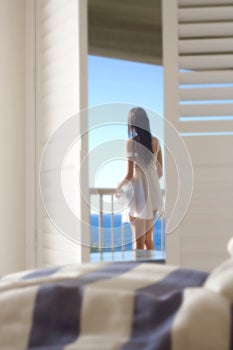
(144, 168)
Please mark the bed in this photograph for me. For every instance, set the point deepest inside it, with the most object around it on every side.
(121, 306)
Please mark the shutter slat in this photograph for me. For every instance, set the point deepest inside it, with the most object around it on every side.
(224, 93)
(58, 40)
(54, 85)
(206, 110)
(54, 15)
(51, 5)
(204, 2)
(55, 91)
(205, 126)
(213, 77)
(198, 30)
(49, 71)
(206, 62)
(205, 14)
(205, 45)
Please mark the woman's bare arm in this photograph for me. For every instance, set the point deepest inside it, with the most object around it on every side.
(130, 165)
(159, 162)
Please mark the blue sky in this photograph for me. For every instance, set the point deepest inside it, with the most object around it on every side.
(111, 81)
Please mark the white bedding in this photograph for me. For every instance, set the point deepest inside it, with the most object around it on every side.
(133, 305)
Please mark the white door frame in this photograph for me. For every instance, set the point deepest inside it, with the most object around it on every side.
(171, 113)
(30, 135)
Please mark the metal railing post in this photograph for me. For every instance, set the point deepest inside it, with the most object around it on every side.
(112, 223)
(101, 224)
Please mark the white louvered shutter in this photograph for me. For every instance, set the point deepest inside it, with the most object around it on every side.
(61, 85)
(198, 71)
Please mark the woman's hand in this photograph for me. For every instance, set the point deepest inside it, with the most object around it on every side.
(159, 169)
(119, 186)
(120, 189)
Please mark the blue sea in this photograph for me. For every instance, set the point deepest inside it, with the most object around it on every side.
(107, 233)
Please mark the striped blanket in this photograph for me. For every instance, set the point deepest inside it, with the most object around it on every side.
(126, 305)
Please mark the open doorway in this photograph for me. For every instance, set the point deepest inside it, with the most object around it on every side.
(124, 66)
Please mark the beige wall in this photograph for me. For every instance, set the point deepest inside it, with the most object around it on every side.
(12, 114)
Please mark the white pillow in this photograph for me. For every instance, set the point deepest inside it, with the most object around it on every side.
(230, 247)
(220, 280)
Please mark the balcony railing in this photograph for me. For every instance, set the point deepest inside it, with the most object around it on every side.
(98, 195)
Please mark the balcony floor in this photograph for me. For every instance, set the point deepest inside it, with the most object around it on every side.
(129, 255)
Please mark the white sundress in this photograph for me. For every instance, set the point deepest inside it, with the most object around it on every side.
(144, 192)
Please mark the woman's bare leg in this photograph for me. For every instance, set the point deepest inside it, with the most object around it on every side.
(139, 232)
(149, 241)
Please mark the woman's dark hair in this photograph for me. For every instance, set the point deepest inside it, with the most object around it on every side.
(139, 125)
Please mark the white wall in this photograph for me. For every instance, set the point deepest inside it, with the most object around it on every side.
(12, 110)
